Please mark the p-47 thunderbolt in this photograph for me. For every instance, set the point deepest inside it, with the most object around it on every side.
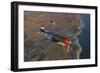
(57, 38)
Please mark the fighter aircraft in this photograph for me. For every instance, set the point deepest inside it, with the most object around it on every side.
(60, 39)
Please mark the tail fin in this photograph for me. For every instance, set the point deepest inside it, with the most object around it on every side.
(42, 29)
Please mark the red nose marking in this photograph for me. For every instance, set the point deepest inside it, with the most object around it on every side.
(67, 42)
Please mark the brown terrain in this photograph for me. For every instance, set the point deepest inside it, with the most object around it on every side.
(64, 22)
